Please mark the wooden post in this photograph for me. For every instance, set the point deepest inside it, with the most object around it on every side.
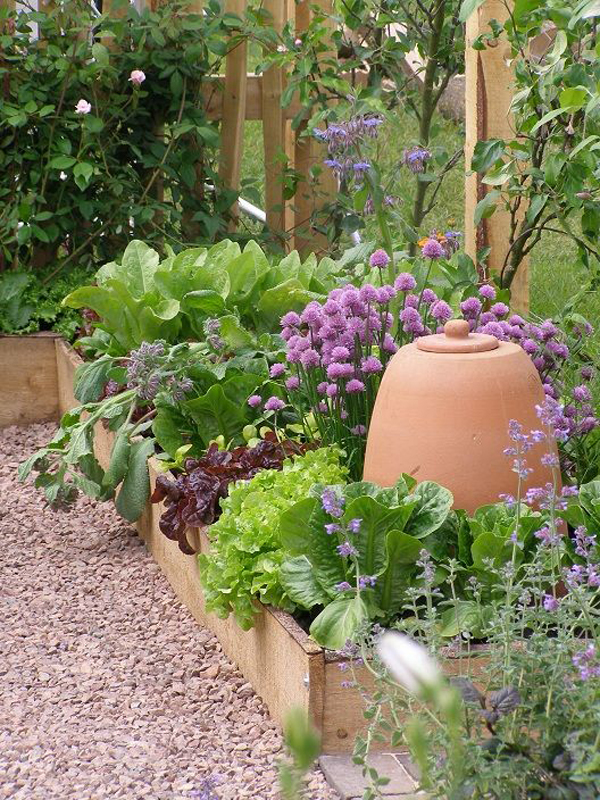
(234, 110)
(308, 153)
(274, 128)
(489, 91)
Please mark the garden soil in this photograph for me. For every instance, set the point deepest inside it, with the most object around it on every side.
(108, 688)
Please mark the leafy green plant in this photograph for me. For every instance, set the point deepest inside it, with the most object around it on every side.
(246, 555)
(142, 298)
(15, 313)
(354, 550)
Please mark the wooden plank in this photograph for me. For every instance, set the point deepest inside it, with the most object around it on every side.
(29, 379)
(275, 656)
(234, 109)
(67, 361)
(309, 153)
(489, 91)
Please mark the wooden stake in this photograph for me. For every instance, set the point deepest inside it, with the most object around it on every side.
(274, 128)
(234, 110)
(489, 91)
(309, 153)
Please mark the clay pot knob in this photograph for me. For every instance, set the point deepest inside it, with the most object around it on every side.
(457, 329)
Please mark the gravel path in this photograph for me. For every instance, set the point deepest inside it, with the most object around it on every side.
(108, 688)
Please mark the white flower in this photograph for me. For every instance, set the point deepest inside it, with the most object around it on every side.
(409, 662)
(83, 107)
(63, 176)
(137, 77)
(298, 42)
(281, 48)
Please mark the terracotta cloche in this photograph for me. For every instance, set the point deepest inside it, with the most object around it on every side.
(442, 414)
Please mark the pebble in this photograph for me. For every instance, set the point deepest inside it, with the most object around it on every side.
(109, 688)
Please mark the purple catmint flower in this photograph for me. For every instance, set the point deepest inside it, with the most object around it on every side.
(432, 249)
(550, 603)
(274, 404)
(332, 527)
(500, 309)
(332, 502)
(405, 282)
(487, 291)
(277, 370)
(344, 586)
(587, 663)
(379, 259)
(550, 460)
(254, 400)
(292, 383)
(371, 365)
(358, 430)
(548, 537)
(354, 525)
(366, 581)
(441, 311)
(346, 549)
(355, 386)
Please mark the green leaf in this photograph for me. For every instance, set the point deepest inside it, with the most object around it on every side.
(339, 622)
(119, 459)
(461, 618)
(376, 520)
(234, 334)
(136, 271)
(135, 489)
(486, 154)
(300, 583)
(573, 98)
(402, 553)
(90, 379)
(468, 7)
(486, 207)
(100, 54)
(433, 504)
(488, 546)
(206, 301)
(93, 124)
(556, 112)
(62, 162)
(167, 430)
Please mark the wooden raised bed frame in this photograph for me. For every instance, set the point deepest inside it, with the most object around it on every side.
(285, 667)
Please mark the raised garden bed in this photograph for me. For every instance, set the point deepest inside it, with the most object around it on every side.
(285, 667)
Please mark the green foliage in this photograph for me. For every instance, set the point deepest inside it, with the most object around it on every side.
(246, 555)
(74, 186)
(393, 523)
(303, 744)
(143, 298)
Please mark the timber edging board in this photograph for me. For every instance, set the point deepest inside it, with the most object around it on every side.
(285, 667)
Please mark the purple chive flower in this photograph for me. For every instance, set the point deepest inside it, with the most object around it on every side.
(277, 370)
(405, 282)
(354, 525)
(368, 293)
(411, 301)
(432, 249)
(310, 358)
(332, 502)
(587, 373)
(550, 603)
(292, 383)
(355, 386)
(530, 346)
(340, 353)
(500, 309)
(290, 320)
(346, 549)
(471, 307)
(389, 345)
(487, 292)
(331, 390)
(441, 311)
(274, 404)
(336, 371)
(410, 315)
(429, 297)
(371, 365)
(379, 259)
(582, 394)
(254, 400)
(344, 586)
(358, 430)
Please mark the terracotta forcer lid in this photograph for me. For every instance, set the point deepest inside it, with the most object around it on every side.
(457, 339)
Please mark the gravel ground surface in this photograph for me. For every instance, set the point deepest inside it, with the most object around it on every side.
(108, 688)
